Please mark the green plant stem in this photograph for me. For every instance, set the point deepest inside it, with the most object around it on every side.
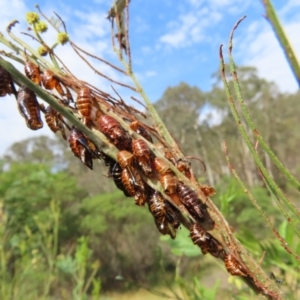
(250, 123)
(13, 57)
(251, 148)
(258, 207)
(27, 47)
(10, 45)
(90, 279)
(279, 32)
(246, 114)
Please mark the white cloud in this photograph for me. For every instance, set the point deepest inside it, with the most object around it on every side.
(190, 28)
(257, 46)
(233, 7)
(150, 73)
(290, 5)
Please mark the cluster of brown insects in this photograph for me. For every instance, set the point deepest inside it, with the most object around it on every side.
(135, 160)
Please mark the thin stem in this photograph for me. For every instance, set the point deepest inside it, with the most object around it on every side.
(283, 40)
(258, 207)
(127, 38)
(249, 121)
(250, 146)
(98, 58)
(99, 73)
(27, 47)
(160, 126)
(245, 111)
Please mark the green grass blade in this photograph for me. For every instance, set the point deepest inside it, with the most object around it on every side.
(283, 40)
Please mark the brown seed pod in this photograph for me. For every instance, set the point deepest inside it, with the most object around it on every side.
(29, 108)
(190, 200)
(157, 207)
(115, 171)
(50, 82)
(84, 102)
(79, 146)
(233, 266)
(208, 191)
(32, 71)
(6, 83)
(169, 183)
(113, 130)
(141, 130)
(206, 241)
(143, 156)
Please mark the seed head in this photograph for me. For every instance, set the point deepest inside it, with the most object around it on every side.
(32, 17)
(62, 38)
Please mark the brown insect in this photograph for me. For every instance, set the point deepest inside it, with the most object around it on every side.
(29, 108)
(96, 153)
(233, 266)
(166, 177)
(208, 191)
(6, 83)
(84, 102)
(190, 200)
(113, 130)
(141, 130)
(51, 118)
(169, 183)
(206, 241)
(172, 215)
(143, 156)
(68, 94)
(50, 82)
(157, 207)
(115, 171)
(125, 159)
(160, 166)
(134, 186)
(32, 71)
(54, 121)
(168, 155)
(184, 166)
(80, 147)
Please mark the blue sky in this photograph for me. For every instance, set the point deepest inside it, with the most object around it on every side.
(171, 41)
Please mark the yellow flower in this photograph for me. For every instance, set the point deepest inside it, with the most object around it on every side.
(41, 26)
(32, 17)
(62, 38)
(43, 51)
